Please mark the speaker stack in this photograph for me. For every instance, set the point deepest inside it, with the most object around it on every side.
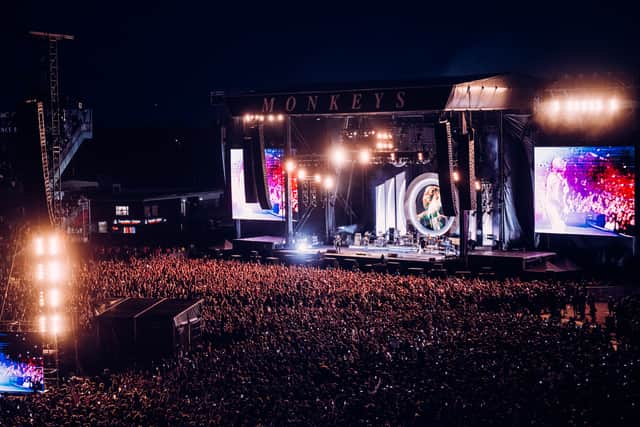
(444, 156)
(467, 172)
(256, 185)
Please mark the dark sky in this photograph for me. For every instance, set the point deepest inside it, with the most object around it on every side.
(154, 64)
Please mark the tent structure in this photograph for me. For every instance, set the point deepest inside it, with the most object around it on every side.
(147, 328)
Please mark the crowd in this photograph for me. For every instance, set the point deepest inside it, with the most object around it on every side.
(602, 189)
(307, 346)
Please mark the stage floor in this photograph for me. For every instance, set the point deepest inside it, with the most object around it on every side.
(507, 261)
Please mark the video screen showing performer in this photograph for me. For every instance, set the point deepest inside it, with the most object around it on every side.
(21, 367)
(584, 190)
(430, 211)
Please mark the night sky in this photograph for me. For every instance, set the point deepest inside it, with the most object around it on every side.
(153, 65)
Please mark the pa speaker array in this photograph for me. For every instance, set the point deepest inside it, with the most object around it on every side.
(256, 185)
(467, 165)
(444, 156)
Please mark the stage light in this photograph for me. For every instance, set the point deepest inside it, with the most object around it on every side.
(247, 117)
(302, 174)
(54, 245)
(54, 297)
(420, 156)
(338, 156)
(54, 272)
(42, 323)
(41, 299)
(379, 145)
(317, 178)
(302, 245)
(328, 182)
(478, 185)
(56, 324)
(271, 118)
(38, 245)
(39, 272)
(289, 166)
(364, 157)
(613, 105)
(280, 117)
(393, 157)
(456, 176)
(555, 106)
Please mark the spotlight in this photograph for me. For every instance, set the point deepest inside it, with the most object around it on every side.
(38, 244)
(55, 272)
(478, 185)
(328, 182)
(54, 297)
(289, 166)
(393, 157)
(555, 106)
(39, 272)
(56, 324)
(280, 117)
(613, 105)
(302, 174)
(247, 117)
(338, 156)
(420, 156)
(317, 178)
(364, 157)
(53, 244)
(456, 176)
(41, 299)
(271, 117)
(379, 145)
(42, 323)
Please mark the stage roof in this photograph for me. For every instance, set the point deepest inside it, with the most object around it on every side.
(480, 92)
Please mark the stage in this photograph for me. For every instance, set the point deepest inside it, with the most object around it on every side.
(408, 260)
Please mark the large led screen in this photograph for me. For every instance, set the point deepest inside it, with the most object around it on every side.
(584, 190)
(240, 208)
(21, 364)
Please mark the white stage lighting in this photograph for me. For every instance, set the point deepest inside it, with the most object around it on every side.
(53, 297)
(54, 273)
(38, 246)
(456, 176)
(289, 166)
(54, 245)
(280, 117)
(39, 272)
(56, 324)
(302, 174)
(338, 156)
(42, 323)
(328, 182)
(613, 105)
(271, 118)
(478, 186)
(317, 178)
(364, 156)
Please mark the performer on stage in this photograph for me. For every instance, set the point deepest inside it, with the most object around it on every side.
(337, 242)
(556, 189)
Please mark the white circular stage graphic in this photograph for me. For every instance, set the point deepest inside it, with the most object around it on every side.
(423, 207)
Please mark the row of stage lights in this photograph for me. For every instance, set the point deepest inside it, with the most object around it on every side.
(271, 118)
(327, 181)
(583, 105)
(49, 276)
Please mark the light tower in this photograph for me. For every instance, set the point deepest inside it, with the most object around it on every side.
(53, 184)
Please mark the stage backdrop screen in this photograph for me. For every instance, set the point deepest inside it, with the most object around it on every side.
(240, 208)
(584, 190)
(21, 364)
